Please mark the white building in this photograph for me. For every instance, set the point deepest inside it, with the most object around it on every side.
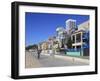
(78, 36)
(60, 31)
(70, 25)
(84, 26)
(61, 36)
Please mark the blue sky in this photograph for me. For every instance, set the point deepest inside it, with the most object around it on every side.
(40, 26)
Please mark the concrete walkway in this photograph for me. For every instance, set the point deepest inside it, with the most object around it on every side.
(47, 60)
(74, 59)
(31, 61)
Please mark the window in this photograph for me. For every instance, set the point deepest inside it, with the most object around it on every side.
(73, 39)
(73, 47)
(78, 37)
(78, 47)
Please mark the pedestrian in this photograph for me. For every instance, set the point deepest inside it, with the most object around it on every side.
(38, 52)
(66, 49)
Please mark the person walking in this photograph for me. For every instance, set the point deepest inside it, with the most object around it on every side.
(38, 52)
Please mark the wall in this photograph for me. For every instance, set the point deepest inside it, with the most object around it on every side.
(73, 53)
(5, 40)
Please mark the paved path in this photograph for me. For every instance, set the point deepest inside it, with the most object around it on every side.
(51, 61)
(31, 61)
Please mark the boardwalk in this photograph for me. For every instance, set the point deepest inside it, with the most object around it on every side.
(46, 60)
